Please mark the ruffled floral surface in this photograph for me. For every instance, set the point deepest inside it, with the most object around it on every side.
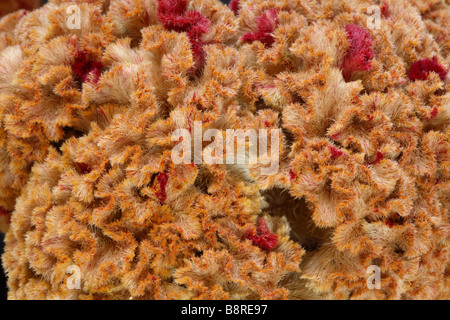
(86, 176)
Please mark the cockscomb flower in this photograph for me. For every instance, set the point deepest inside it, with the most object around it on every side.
(379, 156)
(263, 238)
(47, 66)
(235, 6)
(85, 69)
(162, 179)
(385, 9)
(335, 152)
(173, 14)
(266, 24)
(87, 177)
(421, 69)
(360, 52)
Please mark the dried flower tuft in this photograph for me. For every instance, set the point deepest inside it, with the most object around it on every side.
(360, 52)
(86, 69)
(421, 69)
(174, 15)
(235, 6)
(87, 178)
(266, 24)
(263, 238)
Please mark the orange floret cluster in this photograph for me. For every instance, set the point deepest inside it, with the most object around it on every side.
(86, 171)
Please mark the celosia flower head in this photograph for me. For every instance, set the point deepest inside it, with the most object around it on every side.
(266, 24)
(85, 69)
(360, 52)
(421, 69)
(235, 6)
(262, 237)
(173, 14)
(86, 172)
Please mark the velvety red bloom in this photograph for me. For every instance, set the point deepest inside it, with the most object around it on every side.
(162, 178)
(385, 10)
(83, 68)
(292, 175)
(360, 53)
(263, 238)
(235, 6)
(187, 22)
(267, 23)
(335, 152)
(335, 136)
(172, 7)
(433, 113)
(377, 159)
(199, 56)
(422, 68)
(173, 14)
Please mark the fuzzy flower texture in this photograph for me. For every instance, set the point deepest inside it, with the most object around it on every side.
(87, 180)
